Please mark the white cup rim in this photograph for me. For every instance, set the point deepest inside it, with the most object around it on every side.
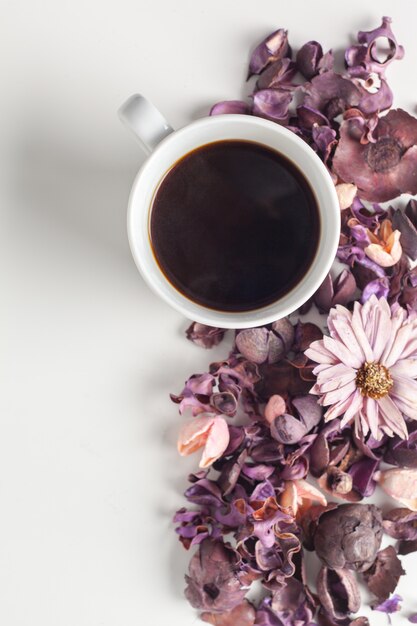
(195, 134)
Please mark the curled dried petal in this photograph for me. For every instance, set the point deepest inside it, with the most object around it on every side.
(401, 523)
(212, 433)
(346, 193)
(275, 406)
(308, 58)
(272, 104)
(203, 335)
(242, 614)
(338, 591)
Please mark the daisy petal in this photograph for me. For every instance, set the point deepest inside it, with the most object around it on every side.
(405, 367)
(338, 409)
(355, 404)
(339, 394)
(392, 416)
(401, 340)
(342, 353)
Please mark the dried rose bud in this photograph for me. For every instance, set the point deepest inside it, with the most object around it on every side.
(203, 335)
(349, 536)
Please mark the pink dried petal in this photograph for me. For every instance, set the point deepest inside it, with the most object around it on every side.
(400, 484)
(272, 48)
(252, 343)
(346, 193)
(210, 432)
(242, 614)
(386, 255)
(230, 107)
(275, 406)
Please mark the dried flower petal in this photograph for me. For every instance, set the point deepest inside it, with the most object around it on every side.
(272, 48)
(362, 476)
(407, 228)
(382, 578)
(203, 335)
(308, 58)
(278, 74)
(400, 484)
(230, 106)
(403, 452)
(275, 406)
(212, 433)
(392, 605)
(242, 614)
(331, 94)
(338, 592)
(272, 104)
(385, 247)
(346, 193)
(413, 618)
(401, 523)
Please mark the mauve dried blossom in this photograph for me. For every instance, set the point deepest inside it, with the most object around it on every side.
(331, 94)
(386, 168)
(383, 576)
(349, 536)
(278, 75)
(203, 335)
(308, 59)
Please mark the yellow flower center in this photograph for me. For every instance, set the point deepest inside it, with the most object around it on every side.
(374, 380)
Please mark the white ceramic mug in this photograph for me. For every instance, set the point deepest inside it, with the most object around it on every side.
(166, 146)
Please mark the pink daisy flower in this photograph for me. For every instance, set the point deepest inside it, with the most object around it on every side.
(367, 367)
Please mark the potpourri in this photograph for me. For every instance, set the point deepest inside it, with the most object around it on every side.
(338, 408)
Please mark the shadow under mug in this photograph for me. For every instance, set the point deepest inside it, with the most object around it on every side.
(166, 146)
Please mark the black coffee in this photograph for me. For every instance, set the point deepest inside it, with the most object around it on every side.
(234, 225)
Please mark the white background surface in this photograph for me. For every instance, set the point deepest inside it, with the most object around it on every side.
(89, 475)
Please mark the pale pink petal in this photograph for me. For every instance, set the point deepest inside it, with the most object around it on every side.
(193, 435)
(216, 443)
(342, 353)
(346, 193)
(409, 409)
(382, 329)
(380, 256)
(401, 340)
(358, 328)
(354, 406)
(410, 350)
(339, 394)
(404, 392)
(405, 367)
(275, 406)
(305, 491)
(371, 412)
(400, 484)
(364, 426)
(346, 334)
(338, 409)
(335, 377)
(397, 320)
(392, 416)
(317, 352)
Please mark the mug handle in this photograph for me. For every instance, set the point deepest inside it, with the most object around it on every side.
(145, 121)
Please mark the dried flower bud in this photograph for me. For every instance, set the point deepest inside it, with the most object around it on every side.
(349, 536)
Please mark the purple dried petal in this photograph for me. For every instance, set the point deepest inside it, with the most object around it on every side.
(276, 348)
(325, 140)
(236, 438)
(371, 103)
(378, 287)
(392, 605)
(285, 331)
(272, 48)
(252, 343)
(203, 335)
(308, 58)
(401, 523)
(204, 492)
(331, 94)
(296, 471)
(263, 491)
(338, 592)
(308, 116)
(258, 472)
(212, 581)
(309, 410)
(230, 472)
(413, 618)
(230, 107)
(403, 452)
(224, 403)
(362, 473)
(272, 104)
(401, 222)
(243, 614)
(383, 576)
(344, 288)
(278, 74)
(319, 455)
(326, 63)
(288, 429)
